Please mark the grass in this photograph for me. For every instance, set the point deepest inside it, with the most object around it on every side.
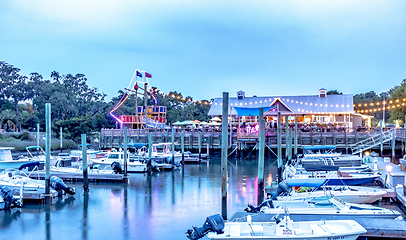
(20, 145)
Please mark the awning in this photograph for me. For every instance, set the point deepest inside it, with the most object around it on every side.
(250, 111)
(305, 182)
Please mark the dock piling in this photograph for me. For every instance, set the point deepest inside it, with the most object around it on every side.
(261, 157)
(84, 164)
(295, 138)
(279, 140)
(149, 164)
(224, 148)
(125, 152)
(173, 146)
(47, 152)
(182, 145)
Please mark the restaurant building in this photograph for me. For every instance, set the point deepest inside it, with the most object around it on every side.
(322, 110)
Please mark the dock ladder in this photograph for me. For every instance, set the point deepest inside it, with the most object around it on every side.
(372, 142)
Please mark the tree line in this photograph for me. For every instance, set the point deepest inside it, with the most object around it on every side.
(75, 106)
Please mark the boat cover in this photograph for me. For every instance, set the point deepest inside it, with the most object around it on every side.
(322, 147)
(320, 167)
(135, 145)
(29, 164)
(305, 182)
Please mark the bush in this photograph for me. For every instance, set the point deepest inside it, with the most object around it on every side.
(25, 136)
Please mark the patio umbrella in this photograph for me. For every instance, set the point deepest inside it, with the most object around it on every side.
(177, 123)
(216, 119)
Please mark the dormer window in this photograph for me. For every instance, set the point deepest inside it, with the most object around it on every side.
(240, 95)
(322, 93)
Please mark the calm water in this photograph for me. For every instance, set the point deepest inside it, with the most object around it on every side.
(161, 206)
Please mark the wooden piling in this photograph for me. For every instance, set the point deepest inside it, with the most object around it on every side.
(84, 164)
(173, 146)
(37, 137)
(393, 144)
(380, 125)
(295, 138)
(47, 152)
(200, 145)
(125, 152)
(279, 140)
(261, 157)
(149, 164)
(182, 146)
(224, 148)
(60, 135)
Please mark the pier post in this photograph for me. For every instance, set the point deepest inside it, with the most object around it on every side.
(346, 141)
(61, 138)
(200, 145)
(145, 106)
(295, 138)
(261, 156)
(224, 148)
(289, 144)
(37, 136)
(173, 146)
(279, 140)
(149, 163)
(125, 152)
(393, 144)
(380, 125)
(182, 145)
(47, 152)
(84, 164)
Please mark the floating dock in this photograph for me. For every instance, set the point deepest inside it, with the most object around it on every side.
(78, 177)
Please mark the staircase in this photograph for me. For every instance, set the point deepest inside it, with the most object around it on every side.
(372, 142)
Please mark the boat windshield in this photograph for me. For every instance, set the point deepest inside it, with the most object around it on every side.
(114, 156)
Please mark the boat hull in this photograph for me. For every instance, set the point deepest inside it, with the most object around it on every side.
(14, 164)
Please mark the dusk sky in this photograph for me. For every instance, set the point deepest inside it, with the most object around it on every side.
(204, 48)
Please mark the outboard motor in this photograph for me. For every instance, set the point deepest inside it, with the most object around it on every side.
(8, 198)
(283, 187)
(60, 186)
(267, 203)
(116, 166)
(213, 223)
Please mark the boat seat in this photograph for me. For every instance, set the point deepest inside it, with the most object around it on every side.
(256, 230)
(235, 230)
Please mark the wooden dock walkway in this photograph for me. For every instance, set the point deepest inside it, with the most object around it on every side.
(390, 228)
(78, 177)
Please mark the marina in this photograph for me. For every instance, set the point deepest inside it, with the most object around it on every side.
(147, 206)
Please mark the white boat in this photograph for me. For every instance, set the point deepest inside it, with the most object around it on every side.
(288, 229)
(326, 155)
(332, 174)
(133, 165)
(7, 161)
(41, 156)
(325, 206)
(349, 194)
(164, 150)
(32, 189)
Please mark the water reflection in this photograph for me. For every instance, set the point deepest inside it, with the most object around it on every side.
(8, 217)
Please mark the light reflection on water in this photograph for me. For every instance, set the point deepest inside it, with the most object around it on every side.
(161, 206)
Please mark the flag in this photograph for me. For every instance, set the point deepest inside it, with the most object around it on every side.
(139, 74)
(147, 75)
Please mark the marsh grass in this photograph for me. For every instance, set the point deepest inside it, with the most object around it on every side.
(20, 144)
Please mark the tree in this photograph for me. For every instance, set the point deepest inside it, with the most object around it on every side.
(334, 92)
(15, 87)
(396, 96)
